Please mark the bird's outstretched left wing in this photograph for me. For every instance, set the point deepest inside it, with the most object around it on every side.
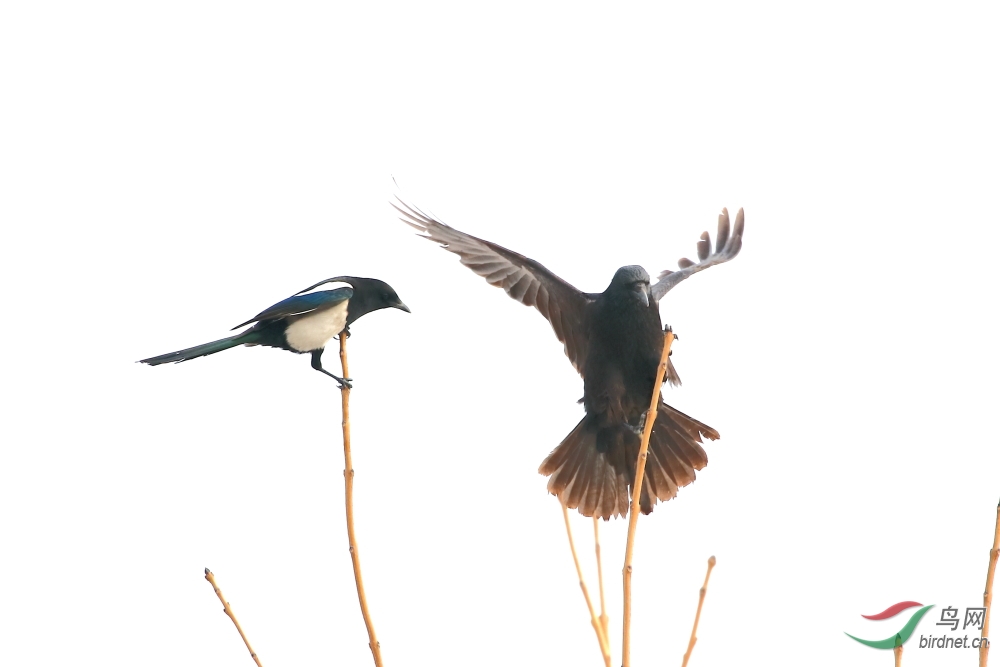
(524, 279)
(301, 303)
(727, 246)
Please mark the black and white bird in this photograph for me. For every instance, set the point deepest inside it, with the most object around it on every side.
(303, 323)
(614, 340)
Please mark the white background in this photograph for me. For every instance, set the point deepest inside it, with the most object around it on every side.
(170, 169)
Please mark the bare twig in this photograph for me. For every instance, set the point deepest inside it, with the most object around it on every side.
(697, 615)
(640, 471)
(345, 394)
(984, 647)
(602, 637)
(600, 575)
(229, 612)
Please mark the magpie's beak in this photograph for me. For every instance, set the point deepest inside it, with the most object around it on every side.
(401, 306)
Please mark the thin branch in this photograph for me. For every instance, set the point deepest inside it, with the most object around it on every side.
(640, 471)
(345, 394)
(602, 638)
(229, 612)
(600, 575)
(984, 647)
(898, 652)
(697, 615)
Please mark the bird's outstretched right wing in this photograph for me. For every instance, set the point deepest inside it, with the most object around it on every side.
(524, 279)
(727, 246)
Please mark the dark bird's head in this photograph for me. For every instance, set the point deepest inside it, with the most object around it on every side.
(633, 281)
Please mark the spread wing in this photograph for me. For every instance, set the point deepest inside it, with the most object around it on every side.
(727, 246)
(302, 303)
(525, 280)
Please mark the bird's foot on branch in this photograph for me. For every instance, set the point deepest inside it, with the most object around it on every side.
(345, 383)
(641, 426)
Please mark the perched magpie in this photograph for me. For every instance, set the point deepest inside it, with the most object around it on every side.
(303, 322)
(614, 340)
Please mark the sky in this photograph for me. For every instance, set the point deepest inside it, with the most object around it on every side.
(168, 170)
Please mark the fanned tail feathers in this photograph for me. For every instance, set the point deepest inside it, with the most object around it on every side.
(599, 483)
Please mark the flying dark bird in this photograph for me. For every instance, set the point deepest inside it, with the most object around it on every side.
(614, 340)
(304, 322)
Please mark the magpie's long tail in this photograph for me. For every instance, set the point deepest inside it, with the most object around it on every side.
(203, 350)
(593, 468)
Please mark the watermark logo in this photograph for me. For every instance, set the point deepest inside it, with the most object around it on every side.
(904, 633)
(950, 618)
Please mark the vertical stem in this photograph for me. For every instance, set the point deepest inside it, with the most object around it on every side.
(640, 471)
(602, 638)
(229, 612)
(600, 574)
(697, 615)
(984, 647)
(898, 652)
(345, 394)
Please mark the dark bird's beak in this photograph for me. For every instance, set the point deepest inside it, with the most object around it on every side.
(401, 306)
(642, 294)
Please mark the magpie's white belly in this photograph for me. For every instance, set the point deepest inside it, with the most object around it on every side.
(314, 330)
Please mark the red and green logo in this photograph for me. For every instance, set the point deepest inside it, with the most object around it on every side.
(904, 633)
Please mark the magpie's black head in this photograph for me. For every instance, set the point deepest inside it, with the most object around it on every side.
(634, 281)
(374, 294)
